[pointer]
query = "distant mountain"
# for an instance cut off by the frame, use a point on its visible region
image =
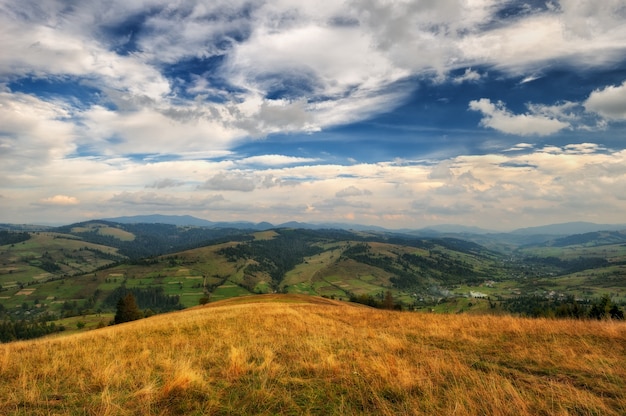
(490, 238)
(597, 238)
(331, 226)
(569, 228)
(187, 220)
(24, 227)
(455, 229)
(180, 220)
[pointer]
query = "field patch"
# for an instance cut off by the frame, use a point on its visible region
(106, 230)
(228, 290)
(265, 235)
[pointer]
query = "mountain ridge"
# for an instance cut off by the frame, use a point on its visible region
(558, 229)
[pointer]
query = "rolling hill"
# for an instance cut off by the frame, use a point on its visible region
(293, 354)
(78, 270)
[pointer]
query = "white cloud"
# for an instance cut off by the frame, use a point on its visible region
(520, 146)
(60, 200)
(530, 78)
(499, 188)
(609, 102)
(562, 111)
(275, 160)
(468, 76)
(590, 18)
(339, 61)
(498, 117)
(33, 131)
(287, 66)
(149, 131)
(352, 191)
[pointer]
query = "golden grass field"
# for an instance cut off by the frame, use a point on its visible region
(294, 355)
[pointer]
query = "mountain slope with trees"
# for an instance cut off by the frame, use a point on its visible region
(62, 274)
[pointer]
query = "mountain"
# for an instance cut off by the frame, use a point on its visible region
(538, 234)
(455, 229)
(187, 220)
(180, 220)
(568, 228)
(24, 227)
(598, 238)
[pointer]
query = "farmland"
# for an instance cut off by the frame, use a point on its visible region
(61, 275)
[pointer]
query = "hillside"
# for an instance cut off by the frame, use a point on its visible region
(81, 270)
(288, 354)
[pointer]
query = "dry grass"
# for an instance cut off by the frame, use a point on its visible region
(313, 356)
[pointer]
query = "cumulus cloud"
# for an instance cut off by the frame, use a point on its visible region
(134, 89)
(609, 102)
(284, 67)
(498, 117)
(493, 190)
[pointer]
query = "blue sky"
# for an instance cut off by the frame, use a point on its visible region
(402, 114)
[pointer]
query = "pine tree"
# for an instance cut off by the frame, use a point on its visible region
(127, 309)
(388, 301)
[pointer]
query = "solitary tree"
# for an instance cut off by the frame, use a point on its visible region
(388, 301)
(127, 310)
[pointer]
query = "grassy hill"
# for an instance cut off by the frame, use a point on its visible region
(294, 354)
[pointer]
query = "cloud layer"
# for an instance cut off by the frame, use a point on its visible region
(235, 110)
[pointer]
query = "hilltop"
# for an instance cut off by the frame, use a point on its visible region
(291, 354)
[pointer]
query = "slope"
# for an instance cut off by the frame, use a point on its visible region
(281, 354)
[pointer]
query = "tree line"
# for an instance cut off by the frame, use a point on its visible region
(564, 307)
(19, 329)
(12, 237)
(151, 298)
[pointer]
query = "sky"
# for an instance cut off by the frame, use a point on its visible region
(400, 114)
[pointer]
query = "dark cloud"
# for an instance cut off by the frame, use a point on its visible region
(165, 183)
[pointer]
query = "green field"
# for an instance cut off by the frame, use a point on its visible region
(63, 275)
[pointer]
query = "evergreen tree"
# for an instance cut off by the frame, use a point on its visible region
(127, 309)
(388, 301)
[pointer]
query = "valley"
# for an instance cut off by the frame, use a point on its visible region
(81, 270)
